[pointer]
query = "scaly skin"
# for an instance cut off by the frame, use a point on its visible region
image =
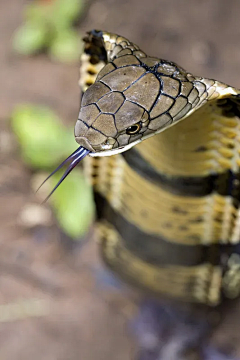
(168, 208)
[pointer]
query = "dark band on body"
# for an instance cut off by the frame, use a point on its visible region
(225, 184)
(155, 249)
(230, 106)
(95, 47)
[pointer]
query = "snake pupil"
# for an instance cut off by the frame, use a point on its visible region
(133, 129)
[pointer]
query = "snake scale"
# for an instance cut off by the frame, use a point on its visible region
(168, 208)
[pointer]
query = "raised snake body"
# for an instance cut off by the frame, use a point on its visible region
(168, 208)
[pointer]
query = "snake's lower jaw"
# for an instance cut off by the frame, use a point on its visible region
(113, 151)
(108, 148)
(107, 145)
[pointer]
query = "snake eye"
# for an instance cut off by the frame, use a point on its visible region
(134, 129)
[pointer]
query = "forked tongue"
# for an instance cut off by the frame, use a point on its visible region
(73, 160)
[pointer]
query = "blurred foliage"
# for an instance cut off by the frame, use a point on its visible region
(73, 204)
(44, 143)
(48, 26)
(44, 140)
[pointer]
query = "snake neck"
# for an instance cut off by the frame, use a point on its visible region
(166, 208)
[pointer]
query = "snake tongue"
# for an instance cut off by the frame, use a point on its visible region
(73, 161)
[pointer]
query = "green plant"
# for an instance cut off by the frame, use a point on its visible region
(44, 143)
(48, 26)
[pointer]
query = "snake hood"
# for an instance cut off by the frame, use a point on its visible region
(129, 97)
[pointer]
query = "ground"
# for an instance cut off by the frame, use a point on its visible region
(52, 304)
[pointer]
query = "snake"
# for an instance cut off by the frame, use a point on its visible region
(161, 148)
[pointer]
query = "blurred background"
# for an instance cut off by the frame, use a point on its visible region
(56, 299)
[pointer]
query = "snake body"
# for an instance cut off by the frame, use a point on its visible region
(168, 208)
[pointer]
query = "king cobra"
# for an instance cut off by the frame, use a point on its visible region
(168, 207)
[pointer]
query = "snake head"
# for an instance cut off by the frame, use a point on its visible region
(111, 118)
(116, 110)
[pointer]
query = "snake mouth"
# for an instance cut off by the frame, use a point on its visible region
(115, 151)
(73, 160)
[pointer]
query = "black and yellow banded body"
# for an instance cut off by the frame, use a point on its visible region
(169, 218)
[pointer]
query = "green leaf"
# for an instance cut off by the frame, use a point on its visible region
(30, 38)
(67, 11)
(66, 46)
(73, 204)
(38, 11)
(43, 139)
